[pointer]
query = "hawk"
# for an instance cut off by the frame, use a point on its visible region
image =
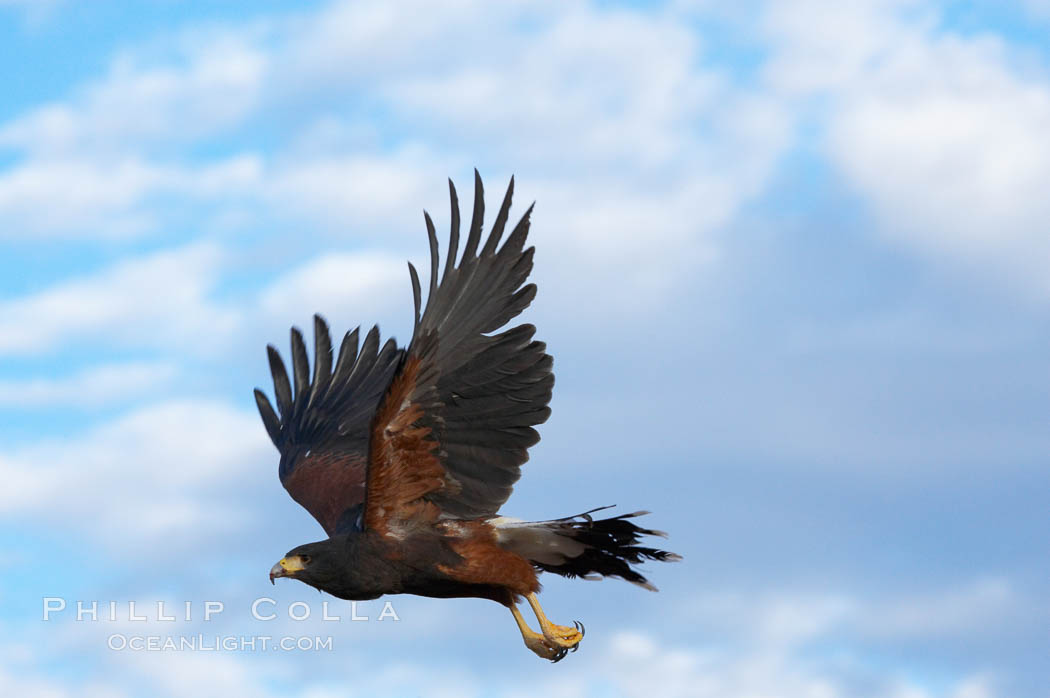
(405, 455)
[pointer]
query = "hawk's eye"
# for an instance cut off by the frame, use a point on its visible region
(305, 559)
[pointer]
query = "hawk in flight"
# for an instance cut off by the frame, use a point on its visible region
(405, 455)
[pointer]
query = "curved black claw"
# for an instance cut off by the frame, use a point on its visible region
(559, 655)
(579, 626)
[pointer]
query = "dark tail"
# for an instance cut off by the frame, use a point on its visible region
(595, 548)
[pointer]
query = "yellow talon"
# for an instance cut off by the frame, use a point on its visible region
(536, 642)
(564, 634)
(556, 640)
(557, 635)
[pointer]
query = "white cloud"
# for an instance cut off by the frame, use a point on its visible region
(984, 603)
(111, 198)
(943, 134)
(823, 45)
(638, 665)
(162, 470)
(975, 687)
(35, 12)
(947, 140)
(165, 302)
(201, 673)
(42, 686)
(157, 300)
(336, 281)
(372, 196)
(92, 387)
(50, 196)
(636, 151)
(213, 82)
(347, 43)
(764, 645)
(99, 164)
(789, 619)
(127, 672)
(587, 88)
(635, 146)
(1039, 8)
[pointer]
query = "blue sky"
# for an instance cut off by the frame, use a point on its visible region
(792, 267)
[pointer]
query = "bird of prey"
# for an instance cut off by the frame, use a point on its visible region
(405, 455)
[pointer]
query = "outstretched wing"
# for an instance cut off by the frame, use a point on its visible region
(324, 426)
(455, 426)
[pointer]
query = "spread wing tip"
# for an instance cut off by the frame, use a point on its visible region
(416, 296)
(300, 364)
(269, 417)
(453, 233)
(282, 388)
(501, 221)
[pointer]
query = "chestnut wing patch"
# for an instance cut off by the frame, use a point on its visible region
(458, 420)
(322, 424)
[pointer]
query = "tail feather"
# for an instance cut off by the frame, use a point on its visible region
(580, 546)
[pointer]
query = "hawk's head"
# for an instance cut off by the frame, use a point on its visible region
(317, 564)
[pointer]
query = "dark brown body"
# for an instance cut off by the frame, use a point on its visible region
(450, 559)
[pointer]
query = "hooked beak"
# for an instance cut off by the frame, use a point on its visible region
(287, 567)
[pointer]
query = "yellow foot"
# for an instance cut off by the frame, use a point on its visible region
(557, 635)
(562, 636)
(541, 648)
(554, 647)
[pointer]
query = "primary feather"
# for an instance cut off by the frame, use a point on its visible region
(473, 395)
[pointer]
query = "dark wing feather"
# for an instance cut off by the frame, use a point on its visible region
(455, 427)
(323, 429)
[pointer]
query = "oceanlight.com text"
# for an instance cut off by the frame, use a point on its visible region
(121, 642)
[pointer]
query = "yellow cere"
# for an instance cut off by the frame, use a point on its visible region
(292, 564)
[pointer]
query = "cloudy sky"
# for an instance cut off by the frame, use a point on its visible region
(792, 260)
